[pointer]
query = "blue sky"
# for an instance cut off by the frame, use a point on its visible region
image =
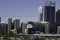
(25, 10)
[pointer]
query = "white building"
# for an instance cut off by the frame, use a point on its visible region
(40, 11)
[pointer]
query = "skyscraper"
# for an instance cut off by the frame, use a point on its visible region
(16, 23)
(49, 15)
(0, 19)
(58, 17)
(40, 11)
(9, 24)
(49, 12)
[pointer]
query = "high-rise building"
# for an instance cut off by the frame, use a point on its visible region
(9, 24)
(40, 11)
(58, 17)
(16, 23)
(12, 27)
(3, 28)
(0, 19)
(39, 28)
(46, 26)
(23, 27)
(49, 12)
(49, 15)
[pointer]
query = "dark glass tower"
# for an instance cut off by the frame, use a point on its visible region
(58, 17)
(49, 15)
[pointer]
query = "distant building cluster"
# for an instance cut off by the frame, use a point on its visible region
(49, 22)
(10, 25)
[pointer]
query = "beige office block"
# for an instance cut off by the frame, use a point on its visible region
(24, 27)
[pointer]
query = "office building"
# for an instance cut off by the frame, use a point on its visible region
(9, 24)
(39, 28)
(31, 30)
(58, 17)
(16, 22)
(3, 28)
(30, 26)
(49, 15)
(40, 11)
(0, 19)
(23, 27)
(46, 26)
(12, 27)
(49, 12)
(58, 30)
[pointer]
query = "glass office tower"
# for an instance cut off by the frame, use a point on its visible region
(58, 17)
(49, 15)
